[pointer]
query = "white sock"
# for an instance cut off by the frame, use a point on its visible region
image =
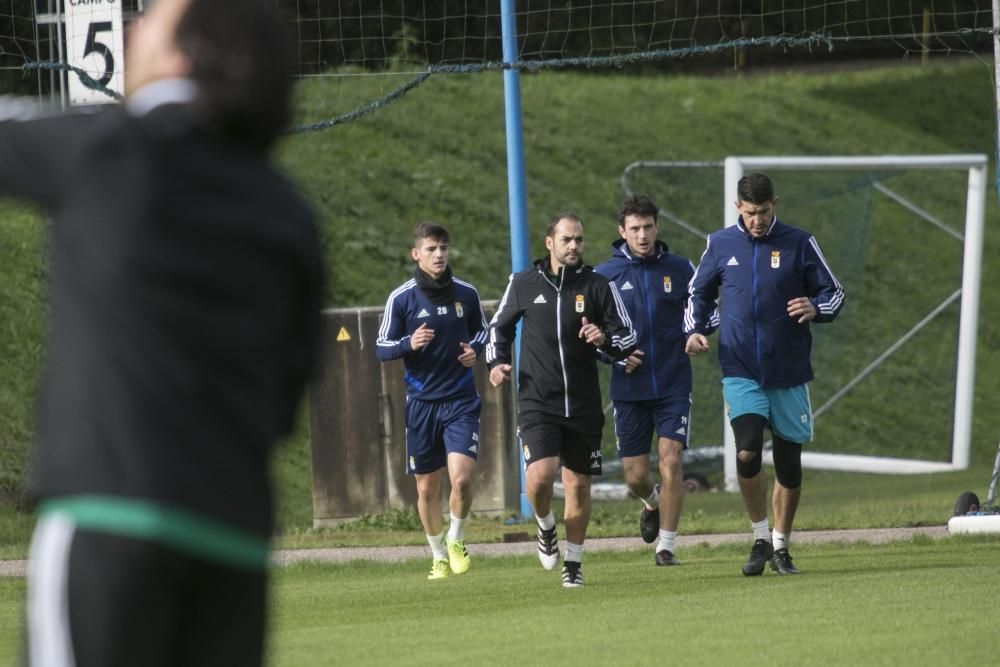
(456, 529)
(667, 539)
(547, 522)
(574, 552)
(437, 546)
(761, 529)
(779, 540)
(652, 502)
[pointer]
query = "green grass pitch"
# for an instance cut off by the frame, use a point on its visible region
(920, 602)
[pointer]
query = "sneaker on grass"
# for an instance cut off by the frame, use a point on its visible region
(781, 562)
(439, 569)
(666, 557)
(548, 548)
(572, 575)
(649, 524)
(760, 553)
(458, 556)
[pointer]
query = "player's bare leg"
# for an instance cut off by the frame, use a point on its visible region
(578, 505)
(672, 484)
(784, 503)
(461, 469)
(671, 499)
(429, 501)
(539, 478)
(635, 470)
(754, 492)
(640, 483)
(429, 509)
(577, 517)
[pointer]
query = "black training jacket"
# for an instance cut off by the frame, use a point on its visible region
(558, 369)
(185, 278)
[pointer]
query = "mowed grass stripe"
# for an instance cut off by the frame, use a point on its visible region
(921, 602)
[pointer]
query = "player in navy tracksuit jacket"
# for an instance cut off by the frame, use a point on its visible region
(436, 324)
(651, 389)
(773, 280)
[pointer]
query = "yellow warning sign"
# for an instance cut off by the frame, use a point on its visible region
(342, 335)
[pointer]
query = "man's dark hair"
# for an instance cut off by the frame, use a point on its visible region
(554, 220)
(429, 230)
(755, 188)
(241, 61)
(640, 205)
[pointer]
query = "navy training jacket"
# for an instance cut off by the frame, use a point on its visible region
(433, 372)
(755, 279)
(655, 292)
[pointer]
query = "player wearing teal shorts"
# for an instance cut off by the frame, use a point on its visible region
(787, 409)
(774, 283)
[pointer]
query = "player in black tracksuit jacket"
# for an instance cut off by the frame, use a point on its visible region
(567, 310)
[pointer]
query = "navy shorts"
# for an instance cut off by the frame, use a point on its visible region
(636, 421)
(577, 440)
(435, 429)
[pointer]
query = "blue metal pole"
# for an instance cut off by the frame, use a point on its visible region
(517, 200)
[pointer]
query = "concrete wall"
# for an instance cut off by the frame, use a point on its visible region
(357, 429)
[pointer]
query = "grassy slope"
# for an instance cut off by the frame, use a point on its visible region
(423, 159)
(439, 154)
(21, 327)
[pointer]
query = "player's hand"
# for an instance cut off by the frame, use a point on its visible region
(592, 333)
(802, 308)
(468, 356)
(421, 337)
(696, 344)
(499, 374)
(634, 360)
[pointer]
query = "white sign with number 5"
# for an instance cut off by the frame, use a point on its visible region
(95, 43)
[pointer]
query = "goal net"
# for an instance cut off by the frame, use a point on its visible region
(17, 46)
(895, 371)
(367, 54)
(338, 33)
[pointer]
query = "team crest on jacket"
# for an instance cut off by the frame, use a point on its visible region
(458, 308)
(667, 286)
(579, 303)
(775, 259)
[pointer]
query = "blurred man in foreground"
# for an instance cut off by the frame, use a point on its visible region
(185, 294)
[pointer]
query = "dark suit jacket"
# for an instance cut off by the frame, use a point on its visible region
(185, 278)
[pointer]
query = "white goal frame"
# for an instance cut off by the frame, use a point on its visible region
(976, 165)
